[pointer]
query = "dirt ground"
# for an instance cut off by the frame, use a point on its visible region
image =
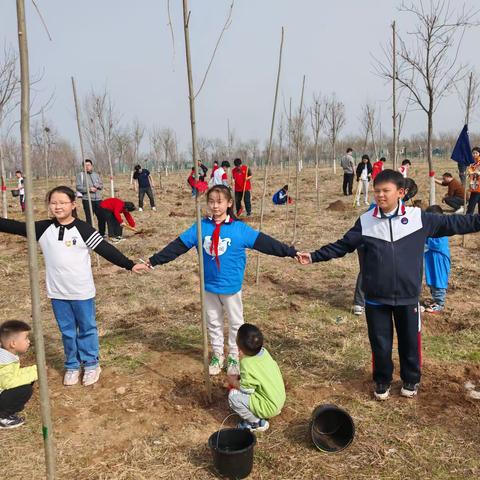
(148, 418)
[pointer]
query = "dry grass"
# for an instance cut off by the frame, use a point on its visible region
(151, 345)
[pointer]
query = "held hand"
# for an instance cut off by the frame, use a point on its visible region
(93, 189)
(123, 224)
(140, 268)
(304, 258)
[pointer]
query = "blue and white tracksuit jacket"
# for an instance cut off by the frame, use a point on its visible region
(392, 279)
(393, 264)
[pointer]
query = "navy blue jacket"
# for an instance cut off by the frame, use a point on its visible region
(393, 262)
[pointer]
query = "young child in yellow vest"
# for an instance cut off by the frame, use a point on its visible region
(16, 383)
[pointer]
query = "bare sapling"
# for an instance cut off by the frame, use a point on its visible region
(269, 154)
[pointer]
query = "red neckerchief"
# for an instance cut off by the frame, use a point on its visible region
(216, 239)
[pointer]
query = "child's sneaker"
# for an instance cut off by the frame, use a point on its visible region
(358, 309)
(260, 426)
(154, 209)
(71, 377)
(382, 391)
(91, 376)
(434, 308)
(216, 364)
(13, 421)
(409, 390)
(233, 367)
(140, 209)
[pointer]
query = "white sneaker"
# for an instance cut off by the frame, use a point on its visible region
(154, 209)
(357, 204)
(358, 309)
(91, 376)
(71, 377)
(140, 209)
(367, 203)
(460, 210)
(216, 364)
(233, 367)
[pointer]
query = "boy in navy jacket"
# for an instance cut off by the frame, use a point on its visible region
(393, 237)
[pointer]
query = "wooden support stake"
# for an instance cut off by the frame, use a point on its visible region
(298, 155)
(191, 97)
(47, 430)
(269, 156)
(82, 153)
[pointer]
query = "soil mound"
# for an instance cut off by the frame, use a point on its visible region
(337, 206)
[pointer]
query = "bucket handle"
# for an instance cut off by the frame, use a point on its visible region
(221, 426)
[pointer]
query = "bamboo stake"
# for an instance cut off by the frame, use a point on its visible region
(298, 155)
(394, 95)
(82, 150)
(32, 245)
(186, 19)
(269, 155)
(288, 160)
(3, 182)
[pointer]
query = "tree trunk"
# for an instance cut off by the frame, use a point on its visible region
(334, 153)
(316, 175)
(110, 165)
(3, 182)
(430, 159)
(191, 98)
(47, 424)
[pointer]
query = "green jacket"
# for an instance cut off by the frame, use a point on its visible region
(11, 375)
(261, 378)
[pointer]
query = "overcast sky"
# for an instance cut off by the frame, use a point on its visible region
(126, 47)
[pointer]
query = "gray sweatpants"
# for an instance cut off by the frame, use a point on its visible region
(239, 402)
(216, 305)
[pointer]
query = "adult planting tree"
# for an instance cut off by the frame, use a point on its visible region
(428, 65)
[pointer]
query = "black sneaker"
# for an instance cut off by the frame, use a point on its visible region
(409, 390)
(13, 421)
(382, 391)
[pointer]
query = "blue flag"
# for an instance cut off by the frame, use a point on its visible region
(462, 153)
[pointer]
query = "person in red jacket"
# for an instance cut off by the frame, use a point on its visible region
(241, 175)
(377, 167)
(109, 213)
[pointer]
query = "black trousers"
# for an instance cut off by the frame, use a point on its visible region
(247, 199)
(141, 195)
(359, 295)
(107, 218)
(347, 183)
(380, 333)
(86, 209)
(454, 202)
(13, 400)
(472, 203)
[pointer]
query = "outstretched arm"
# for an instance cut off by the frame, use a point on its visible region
(350, 241)
(448, 225)
(271, 246)
(95, 242)
(20, 228)
(170, 252)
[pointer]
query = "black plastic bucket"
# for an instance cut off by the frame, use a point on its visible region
(232, 450)
(332, 429)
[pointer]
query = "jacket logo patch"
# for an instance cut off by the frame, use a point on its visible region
(223, 245)
(68, 243)
(404, 220)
